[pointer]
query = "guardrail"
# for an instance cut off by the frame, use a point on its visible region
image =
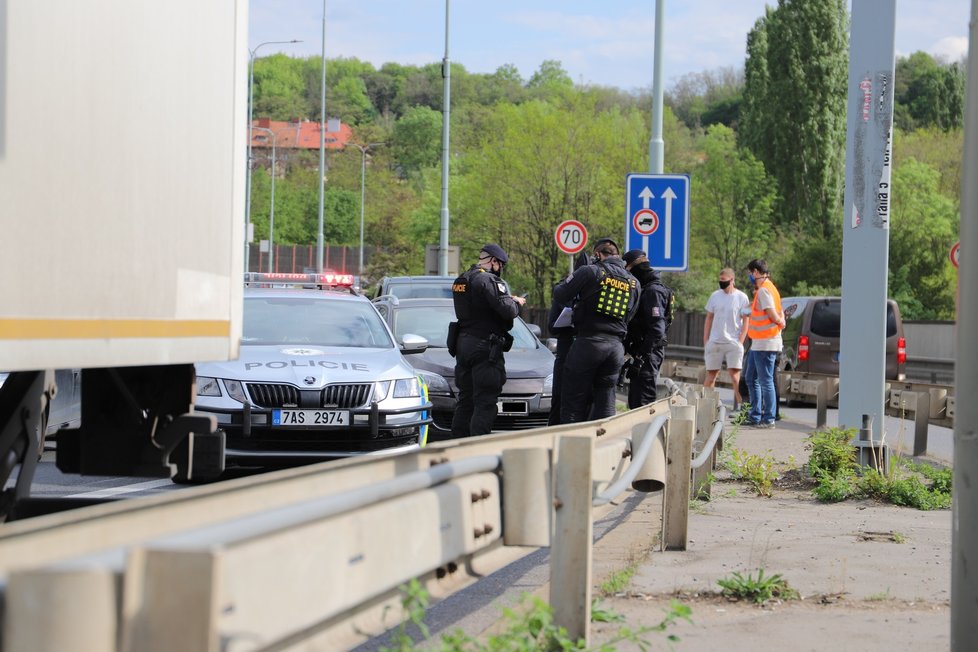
(315, 555)
(935, 371)
(923, 403)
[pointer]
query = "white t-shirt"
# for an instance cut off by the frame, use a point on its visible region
(764, 301)
(729, 312)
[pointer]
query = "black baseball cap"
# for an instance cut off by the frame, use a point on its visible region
(634, 255)
(496, 252)
(604, 241)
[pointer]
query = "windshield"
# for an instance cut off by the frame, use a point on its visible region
(431, 323)
(421, 290)
(313, 320)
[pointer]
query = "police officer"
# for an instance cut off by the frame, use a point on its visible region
(485, 313)
(646, 339)
(561, 327)
(605, 298)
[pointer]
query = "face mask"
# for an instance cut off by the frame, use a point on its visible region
(750, 277)
(724, 285)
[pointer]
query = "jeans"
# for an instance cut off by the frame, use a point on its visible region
(760, 384)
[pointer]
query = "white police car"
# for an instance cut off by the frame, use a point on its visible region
(319, 376)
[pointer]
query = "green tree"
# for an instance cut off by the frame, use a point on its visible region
(280, 88)
(927, 93)
(923, 226)
(543, 164)
(794, 109)
(550, 81)
(733, 199)
(416, 139)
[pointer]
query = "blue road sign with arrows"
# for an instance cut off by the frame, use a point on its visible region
(657, 219)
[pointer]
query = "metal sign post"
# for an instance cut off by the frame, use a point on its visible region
(866, 225)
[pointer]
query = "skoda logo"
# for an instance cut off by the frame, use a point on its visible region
(309, 380)
(303, 351)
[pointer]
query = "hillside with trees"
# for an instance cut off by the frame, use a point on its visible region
(764, 147)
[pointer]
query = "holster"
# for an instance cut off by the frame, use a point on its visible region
(452, 341)
(496, 348)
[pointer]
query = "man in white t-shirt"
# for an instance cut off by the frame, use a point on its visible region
(724, 332)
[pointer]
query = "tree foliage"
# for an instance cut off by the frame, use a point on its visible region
(795, 107)
(529, 153)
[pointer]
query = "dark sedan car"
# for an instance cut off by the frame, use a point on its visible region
(525, 400)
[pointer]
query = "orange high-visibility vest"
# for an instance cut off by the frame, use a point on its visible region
(761, 327)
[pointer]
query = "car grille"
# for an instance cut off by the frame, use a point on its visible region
(273, 395)
(346, 396)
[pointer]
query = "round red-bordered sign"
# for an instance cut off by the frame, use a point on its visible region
(955, 253)
(570, 236)
(645, 221)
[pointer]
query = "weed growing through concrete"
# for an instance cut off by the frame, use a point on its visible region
(833, 466)
(529, 627)
(619, 580)
(757, 471)
(760, 589)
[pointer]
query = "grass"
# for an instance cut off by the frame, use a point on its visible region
(529, 627)
(760, 589)
(838, 476)
(619, 580)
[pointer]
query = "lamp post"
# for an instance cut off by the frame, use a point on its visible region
(363, 176)
(251, 97)
(271, 210)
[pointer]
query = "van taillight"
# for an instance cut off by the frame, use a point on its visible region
(901, 350)
(802, 347)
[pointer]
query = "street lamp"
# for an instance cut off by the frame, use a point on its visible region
(363, 176)
(251, 97)
(271, 210)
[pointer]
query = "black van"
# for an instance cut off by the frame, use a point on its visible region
(812, 336)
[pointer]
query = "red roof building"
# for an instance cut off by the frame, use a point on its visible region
(298, 135)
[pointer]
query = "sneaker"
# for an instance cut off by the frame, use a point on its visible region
(764, 426)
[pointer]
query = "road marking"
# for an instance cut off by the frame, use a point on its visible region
(124, 489)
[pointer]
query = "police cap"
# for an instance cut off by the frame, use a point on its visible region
(496, 252)
(599, 246)
(634, 256)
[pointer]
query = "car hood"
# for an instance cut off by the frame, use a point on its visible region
(309, 366)
(520, 363)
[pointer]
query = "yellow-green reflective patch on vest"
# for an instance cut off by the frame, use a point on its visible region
(614, 297)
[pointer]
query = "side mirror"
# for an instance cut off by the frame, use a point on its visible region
(535, 330)
(552, 344)
(412, 343)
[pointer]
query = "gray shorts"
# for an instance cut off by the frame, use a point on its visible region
(717, 352)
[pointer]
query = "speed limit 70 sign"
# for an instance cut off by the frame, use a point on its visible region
(571, 236)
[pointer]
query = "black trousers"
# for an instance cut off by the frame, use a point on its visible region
(564, 341)
(590, 370)
(480, 374)
(641, 389)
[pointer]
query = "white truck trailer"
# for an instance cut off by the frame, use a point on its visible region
(122, 170)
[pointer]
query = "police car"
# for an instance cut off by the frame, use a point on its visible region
(319, 376)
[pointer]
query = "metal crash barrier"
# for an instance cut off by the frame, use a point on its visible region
(316, 555)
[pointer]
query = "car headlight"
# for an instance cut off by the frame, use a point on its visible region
(548, 385)
(381, 387)
(207, 386)
(407, 388)
(436, 383)
(236, 390)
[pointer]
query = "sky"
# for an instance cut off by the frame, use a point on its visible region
(599, 42)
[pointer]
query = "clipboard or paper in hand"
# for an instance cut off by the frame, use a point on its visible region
(564, 319)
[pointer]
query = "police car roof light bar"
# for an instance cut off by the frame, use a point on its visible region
(268, 279)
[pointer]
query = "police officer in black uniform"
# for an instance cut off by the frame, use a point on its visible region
(562, 329)
(485, 313)
(605, 298)
(646, 339)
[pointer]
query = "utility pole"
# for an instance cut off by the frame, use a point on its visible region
(657, 146)
(446, 72)
(964, 531)
(322, 153)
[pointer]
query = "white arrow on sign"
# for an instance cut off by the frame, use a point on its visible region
(645, 195)
(668, 195)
